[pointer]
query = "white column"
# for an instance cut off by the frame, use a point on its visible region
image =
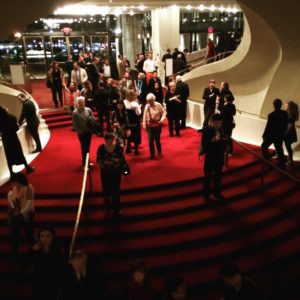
(165, 33)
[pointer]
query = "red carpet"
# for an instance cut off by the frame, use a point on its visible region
(166, 222)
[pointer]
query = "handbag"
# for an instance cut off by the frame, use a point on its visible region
(125, 169)
(153, 123)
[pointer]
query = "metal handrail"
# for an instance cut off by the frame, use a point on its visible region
(266, 162)
(202, 63)
(75, 230)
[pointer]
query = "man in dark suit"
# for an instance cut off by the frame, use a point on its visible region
(210, 95)
(274, 132)
(29, 114)
(183, 90)
(153, 80)
(82, 280)
(213, 147)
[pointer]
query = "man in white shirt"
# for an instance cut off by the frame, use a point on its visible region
(149, 66)
(106, 69)
(79, 76)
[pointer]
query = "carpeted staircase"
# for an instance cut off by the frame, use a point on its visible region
(175, 231)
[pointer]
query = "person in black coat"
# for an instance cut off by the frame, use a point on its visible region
(227, 113)
(213, 147)
(224, 91)
(238, 286)
(47, 260)
(210, 95)
(11, 143)
(274, 132)
(29, 114)
(290, 135)
(153, 80)
(173, 104)
(183, 90)
(82, 280)
(179, 65)
(157, 91)
(110, 157)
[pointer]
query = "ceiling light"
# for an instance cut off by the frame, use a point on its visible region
(189, 7)
(18, 35)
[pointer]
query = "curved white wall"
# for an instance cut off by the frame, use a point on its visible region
(8, 99)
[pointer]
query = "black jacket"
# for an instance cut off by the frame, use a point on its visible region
(210, 101)
(29, 114)
(276, 125)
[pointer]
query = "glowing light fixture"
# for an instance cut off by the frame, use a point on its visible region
(189, 7)
(18, 35)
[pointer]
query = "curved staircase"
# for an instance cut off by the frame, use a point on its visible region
(171, 227)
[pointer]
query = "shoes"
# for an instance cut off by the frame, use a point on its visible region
(178, 134)
(30, 169)
(128, 150)
(171, 134)
(36, 151)
(136, 152)
(152, 157)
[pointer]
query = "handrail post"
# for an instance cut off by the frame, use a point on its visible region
(86, 168)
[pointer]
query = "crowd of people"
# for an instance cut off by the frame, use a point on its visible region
(125, 105)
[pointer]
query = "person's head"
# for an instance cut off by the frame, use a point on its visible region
(216, 121)
(150, 55)
(154, 74)
(277, 103)
(126, 75)
(139, 272)
(141, 56)
(172, 86)
(131, 95)
(293, 109)
(224, 86)
(156, 85)
(168, 50)
(120, 56)
(81, 102)
(96, 60)
(175, 286)
(178, 78)
(141, 76)
(22, 97)
(75, 65)
(209, 41)
(109, 138)
(109, 82)
(73, 86)
(150, 98)
(211, 83)
(231, 275)
(228, 98)
(106, 61)
(78, 261)
(55, 65)
(88, 85)
(46, 235)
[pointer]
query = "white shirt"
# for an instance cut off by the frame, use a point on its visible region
(133, 105)
(106, 71)
(149, 65)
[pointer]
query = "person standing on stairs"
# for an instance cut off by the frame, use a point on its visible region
(29, 114)
(82, 118)
(274, 132)
(213, 145)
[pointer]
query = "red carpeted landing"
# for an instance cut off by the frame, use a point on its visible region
(59, 165)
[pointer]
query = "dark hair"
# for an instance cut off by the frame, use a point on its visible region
(225, 85)
(293, 109)
(212, 80)
(3, 112)
(172, 282)
(229, 270)
(139, 265)
(109, 136)
(277, 103)
(216, 117)
(228, 97)
(20, 178)
(45, 228)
